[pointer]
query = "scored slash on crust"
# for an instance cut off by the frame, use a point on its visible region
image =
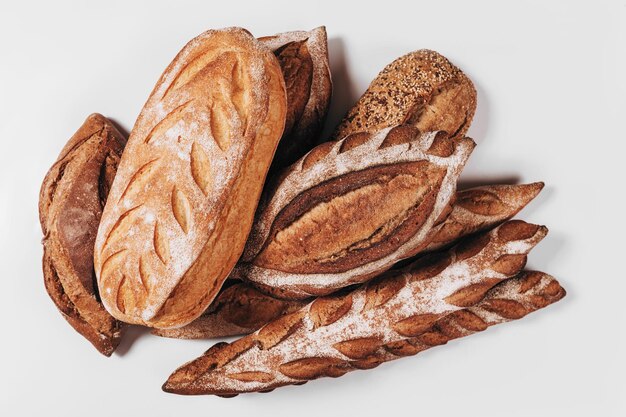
(167, 122)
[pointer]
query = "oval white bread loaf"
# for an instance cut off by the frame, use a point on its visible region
(184, 197)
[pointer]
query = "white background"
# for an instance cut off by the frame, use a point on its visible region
(552, 103)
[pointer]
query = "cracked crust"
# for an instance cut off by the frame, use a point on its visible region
(72, 196)
(184, 197)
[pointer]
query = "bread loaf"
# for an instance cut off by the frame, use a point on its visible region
(184, 197)
(240, 309)
(349, 210)
(303, 58)
(481, 208)
(336, 334)
(422, 89)
(71, 199)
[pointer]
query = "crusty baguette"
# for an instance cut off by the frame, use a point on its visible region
(184, 197)
(336, 334)
(240, 309)
(303, 58)
(317, 231)
(481, 208)
(71, 199)
(421, 88)
(510, 300)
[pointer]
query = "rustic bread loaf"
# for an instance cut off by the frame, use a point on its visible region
(422, 89)
(184, 197)
(317, 232)
(241, 309)
(71, 199)
(303, 58)
(359, 329)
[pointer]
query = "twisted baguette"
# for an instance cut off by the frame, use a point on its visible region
(241, 309)
(510, 300)
(335, 334)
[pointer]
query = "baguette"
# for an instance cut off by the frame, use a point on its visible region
(240, 309)
(184, 197)
(481, 208)
(336, 334)
(316, 232)
(71, 199)
(303, 58)
(422, 89)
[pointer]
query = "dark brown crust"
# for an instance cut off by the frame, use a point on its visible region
(297, 67)
(303, 58)
(70, 205)
(238, 309)
(418, 84)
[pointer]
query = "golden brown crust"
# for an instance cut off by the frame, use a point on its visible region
(427, 303)
(315, 234)
(190, 179)
(303, 58)
(422, 89)
(72, 196)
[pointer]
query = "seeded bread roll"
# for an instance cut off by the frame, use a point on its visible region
(183, 200)
(422, 89)
(72, 196)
